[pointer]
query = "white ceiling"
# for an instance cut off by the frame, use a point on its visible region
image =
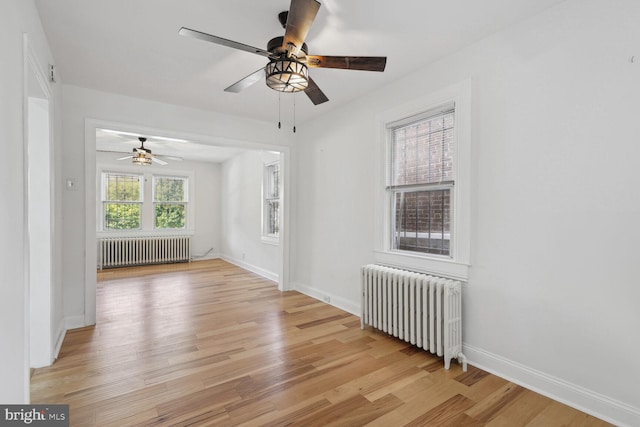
(133, 48)
(122, 143)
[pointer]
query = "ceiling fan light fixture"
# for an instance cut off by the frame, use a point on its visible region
(287, 75)
(141, 159)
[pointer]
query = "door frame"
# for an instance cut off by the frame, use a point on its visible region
(91, 244)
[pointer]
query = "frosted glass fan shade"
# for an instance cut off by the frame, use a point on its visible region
(287, 75)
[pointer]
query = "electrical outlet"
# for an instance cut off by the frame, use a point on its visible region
(242, 256)
(327, 299)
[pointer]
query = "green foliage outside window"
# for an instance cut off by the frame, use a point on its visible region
(121, 216)
(122, 201)
(169, 189)
(170, 196)
(122, 208)
(170, 216)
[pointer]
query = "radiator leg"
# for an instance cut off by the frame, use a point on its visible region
(463, 359)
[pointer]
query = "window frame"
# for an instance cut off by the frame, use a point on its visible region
(185, 203)
(103, 200)
(148, 211)
(449, 185)
(456, 264)
(268, 199)
(394, 189)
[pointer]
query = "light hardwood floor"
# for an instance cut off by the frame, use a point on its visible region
(208, 343)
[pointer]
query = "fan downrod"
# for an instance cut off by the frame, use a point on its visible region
(275, 46)
(282, 17)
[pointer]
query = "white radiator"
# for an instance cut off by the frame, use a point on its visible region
(417, 308)
(125, 251)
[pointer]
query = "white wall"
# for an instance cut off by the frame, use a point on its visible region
(204, 200)
(551, 300)
(18, 17)
(83, 108)
(39, 221)
(242, 214)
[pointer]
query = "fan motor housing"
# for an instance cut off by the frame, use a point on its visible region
(275, 46)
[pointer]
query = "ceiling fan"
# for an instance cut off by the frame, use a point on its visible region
(289, 61)
(143, 156)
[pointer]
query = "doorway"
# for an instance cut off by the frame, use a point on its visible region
(95, 162)
(39, 211)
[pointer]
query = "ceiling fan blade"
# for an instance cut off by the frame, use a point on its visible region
(246, 82)
(299, 21)
(314, 93)
(187, 32)
(125, 158)
(364, 63)
(158, 161)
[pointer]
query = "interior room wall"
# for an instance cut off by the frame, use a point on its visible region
(551, 300)
(205, 197)
(19, 17)
(242, 214)
(40, 224)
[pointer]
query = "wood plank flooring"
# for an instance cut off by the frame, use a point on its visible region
(210, 344)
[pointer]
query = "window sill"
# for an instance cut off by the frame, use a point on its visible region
(423, 264)
(270, 240)
(144, 233)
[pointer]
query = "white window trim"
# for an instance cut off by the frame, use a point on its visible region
(269, 238)
(457, 264)
(148, 223)
(186, 180)
(140, 177)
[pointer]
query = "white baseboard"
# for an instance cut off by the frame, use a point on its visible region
(74, 322)
(331, 299)
(252, 268)
(61, 331)
(211, 255)
(590, 402)
(69, 322)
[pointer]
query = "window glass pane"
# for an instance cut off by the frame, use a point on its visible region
(170, 215)
(422, 221)
(273, 180)
(271, 200)
(121, 216)
(122, 188)
(273, 226)
(169, 189)
(422, 152)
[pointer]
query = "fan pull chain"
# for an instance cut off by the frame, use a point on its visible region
(279, 122)
(294, 113)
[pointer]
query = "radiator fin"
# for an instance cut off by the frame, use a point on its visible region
(129, 251)
(418, 308)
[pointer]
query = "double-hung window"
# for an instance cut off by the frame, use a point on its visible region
(423, 209)
(271, 202)
(170, 202)
(122, 197)
(421, 182)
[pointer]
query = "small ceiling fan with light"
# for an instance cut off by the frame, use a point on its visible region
(116, 141)
(143, 156)
(289, 61)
